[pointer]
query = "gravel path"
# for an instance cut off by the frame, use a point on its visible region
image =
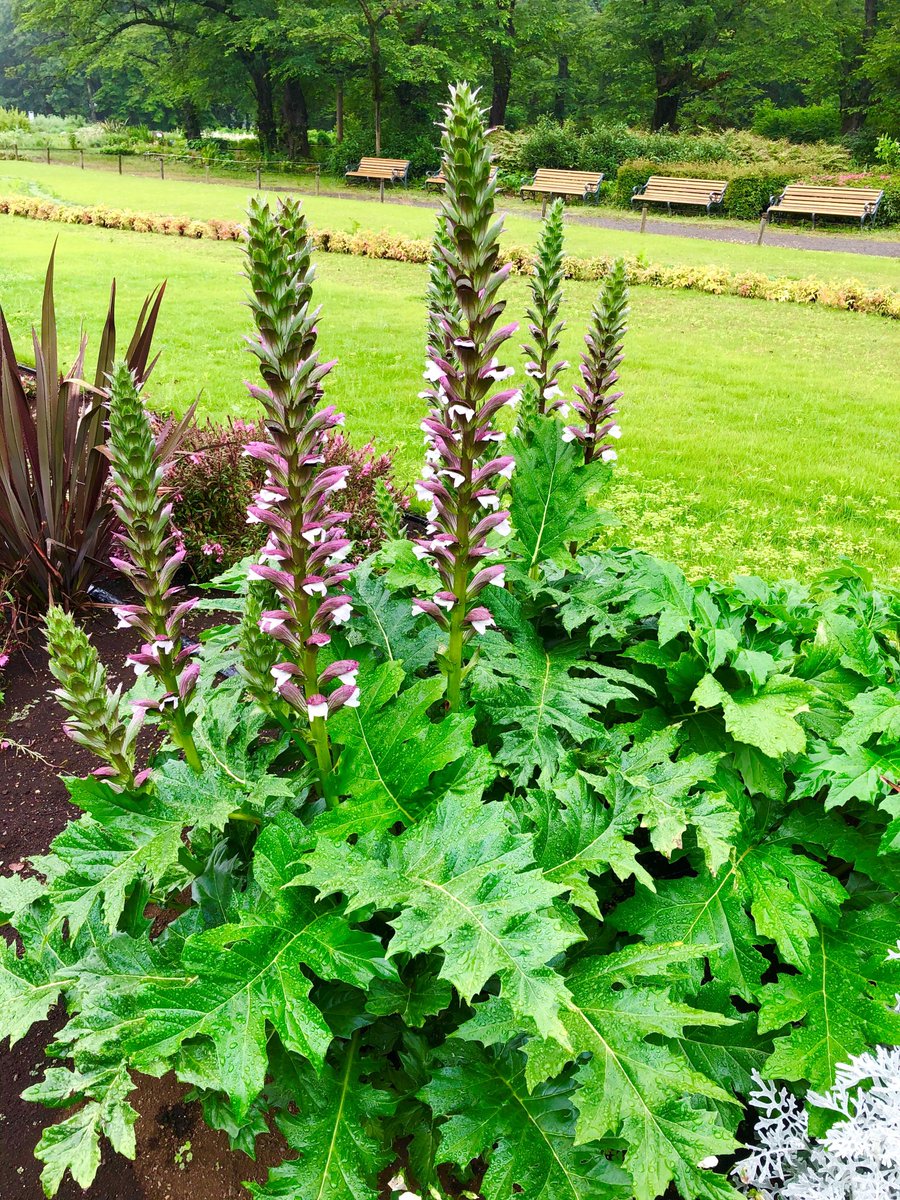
(741, 234)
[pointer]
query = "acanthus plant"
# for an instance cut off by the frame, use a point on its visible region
(546, 326)
(462, 368)
(540, 938)
(599, 367)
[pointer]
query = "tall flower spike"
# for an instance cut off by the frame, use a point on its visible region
(149, 557)
(304, 556)
(258, 651)
(596, 403)
(444, 315)
(543, 315)
(461, 372)
(94, 712)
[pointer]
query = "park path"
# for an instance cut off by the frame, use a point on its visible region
(740, 234)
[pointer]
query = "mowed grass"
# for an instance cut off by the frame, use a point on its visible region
(757, 437)
(361, 211)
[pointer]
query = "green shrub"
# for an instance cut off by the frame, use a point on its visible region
(810, 123)
(748, 192)
(12, 119)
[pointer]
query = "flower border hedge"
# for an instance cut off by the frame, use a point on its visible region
(848, 295)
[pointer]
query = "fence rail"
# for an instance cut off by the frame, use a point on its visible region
(171, 165)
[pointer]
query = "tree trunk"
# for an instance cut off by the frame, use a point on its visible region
(190, 120)
(266, 126)
(560, 100)
(295, 120)
(339, 114)
(501, 66)
(665, 108)
(854, 99)
(376, 84)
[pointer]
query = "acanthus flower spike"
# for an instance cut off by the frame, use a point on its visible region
(149, 557)
(545, 325)
(306, 537)
(461, 370)
(596, 403)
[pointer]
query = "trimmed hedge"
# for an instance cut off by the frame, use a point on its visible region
(849, 295)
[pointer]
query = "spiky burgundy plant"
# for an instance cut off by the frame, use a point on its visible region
(304, 556)
(147, 554)
(596, 403)
(543, 314)
(461, 371)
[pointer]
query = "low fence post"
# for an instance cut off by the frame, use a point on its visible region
(381, 190)
(206, 169)
(16, 151)
(120, 163)
(318, 176)
(643, 217)
(81, 152)
(162, 167)
(48, 156)
(763, 222)
(258, 182)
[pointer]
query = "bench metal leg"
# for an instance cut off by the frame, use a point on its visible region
(643, 217)
(764, 221)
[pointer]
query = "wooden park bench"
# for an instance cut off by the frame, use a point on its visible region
(585, 185)
(437, 180)
(669, 190)
(382, 170)
(809, 200)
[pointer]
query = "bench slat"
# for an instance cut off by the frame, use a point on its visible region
(564, 183)
(671, 189)
(828, 201)
(389, 169)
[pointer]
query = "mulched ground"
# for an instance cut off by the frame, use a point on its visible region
(177, 1155)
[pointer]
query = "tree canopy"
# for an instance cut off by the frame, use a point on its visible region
(381, 66)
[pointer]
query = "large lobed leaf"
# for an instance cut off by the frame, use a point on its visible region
(479, 898)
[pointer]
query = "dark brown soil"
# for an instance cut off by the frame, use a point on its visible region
(177, 1155)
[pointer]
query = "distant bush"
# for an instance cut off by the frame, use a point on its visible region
(12, 119)
(887, 152)
(601, 147)
(810, 123)
(211, 481)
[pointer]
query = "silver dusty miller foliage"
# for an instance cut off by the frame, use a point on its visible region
(858, 1158)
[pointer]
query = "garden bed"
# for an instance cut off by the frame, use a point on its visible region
(177, 1152)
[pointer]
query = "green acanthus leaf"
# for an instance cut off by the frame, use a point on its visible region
(393, 753)
(540, 700)
(766, 718)
(841, 1005)
(336, 1130)
(73, 1144)
(527, 1135)
(578, 835)
(480, 899)
(637, 1083)
(124, 838)
(552, 496)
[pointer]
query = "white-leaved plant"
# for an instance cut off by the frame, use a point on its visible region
(859, 1156)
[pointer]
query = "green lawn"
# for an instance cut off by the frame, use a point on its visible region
(757, 436)
(200, 200)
